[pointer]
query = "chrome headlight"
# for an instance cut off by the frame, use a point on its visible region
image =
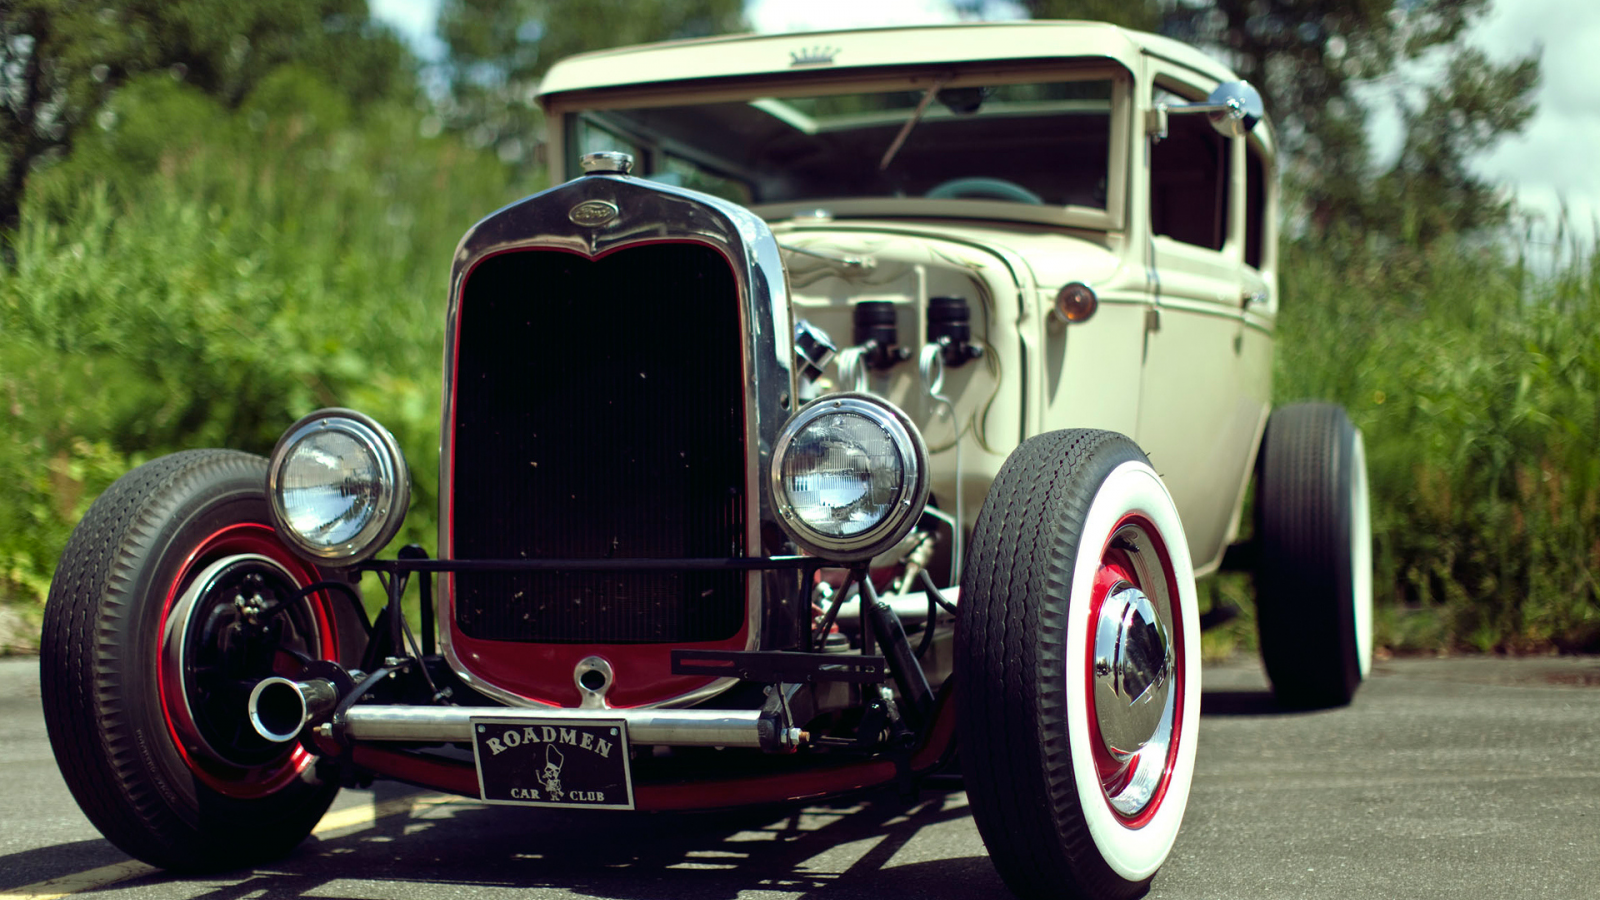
(849, 476)
(338, 486)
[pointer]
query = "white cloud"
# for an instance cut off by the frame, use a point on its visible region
(415, 20)
(1552, 161)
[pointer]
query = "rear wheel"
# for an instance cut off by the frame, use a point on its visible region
(1077, 654)
(1313, 545)
(173, 597)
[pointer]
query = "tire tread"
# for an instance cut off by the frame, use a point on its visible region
(1024, 558)
(1302, 572)
(92, 664)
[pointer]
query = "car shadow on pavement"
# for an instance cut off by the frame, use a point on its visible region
(871, 847)
(1242, 703)
(1245, 703)
(56, 861)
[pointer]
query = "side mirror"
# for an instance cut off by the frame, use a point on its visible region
(1237, 108)
(1233, 108)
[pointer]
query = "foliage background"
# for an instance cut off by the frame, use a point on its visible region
(198, 275)
(221, 236)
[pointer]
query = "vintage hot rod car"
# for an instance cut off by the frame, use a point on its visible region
(693, 551)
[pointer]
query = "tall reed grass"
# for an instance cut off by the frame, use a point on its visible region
(1476, 382)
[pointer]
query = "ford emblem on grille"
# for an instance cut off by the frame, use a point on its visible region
(591, 213)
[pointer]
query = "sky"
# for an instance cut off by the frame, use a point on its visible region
(1553, 160)
(1550, 164)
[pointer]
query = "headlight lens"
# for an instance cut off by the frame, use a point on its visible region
(849, 476)
(338, 486)
(828, 474)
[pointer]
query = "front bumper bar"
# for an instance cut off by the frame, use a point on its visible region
(672, 727)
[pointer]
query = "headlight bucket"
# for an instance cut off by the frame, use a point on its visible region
(849, 476)
(337, 486)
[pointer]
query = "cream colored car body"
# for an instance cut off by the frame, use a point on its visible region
(1178, 354)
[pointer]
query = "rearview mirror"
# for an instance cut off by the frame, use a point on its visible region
(1233, 108)
(1237, 107)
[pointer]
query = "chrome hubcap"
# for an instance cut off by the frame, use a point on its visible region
(1132, 670)
(1134, 700)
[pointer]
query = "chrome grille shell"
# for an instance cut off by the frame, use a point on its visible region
(647, 213)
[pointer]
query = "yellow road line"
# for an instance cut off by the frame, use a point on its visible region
(54, 888)
(363, 816)
(368, 813)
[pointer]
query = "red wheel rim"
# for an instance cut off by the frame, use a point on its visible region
(222, 776)
(1118, 567)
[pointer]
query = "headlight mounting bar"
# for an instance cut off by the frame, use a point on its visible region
(752, 563)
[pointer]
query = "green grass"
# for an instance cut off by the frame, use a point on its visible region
(207, 287)
(1477, 387)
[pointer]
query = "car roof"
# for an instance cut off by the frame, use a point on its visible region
(735, 56)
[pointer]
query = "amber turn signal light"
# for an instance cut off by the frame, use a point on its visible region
(1076, 302)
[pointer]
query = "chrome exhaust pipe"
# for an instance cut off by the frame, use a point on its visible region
(280, 708)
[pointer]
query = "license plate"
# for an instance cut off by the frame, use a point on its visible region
(568, 763)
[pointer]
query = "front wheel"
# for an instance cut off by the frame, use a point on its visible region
(174, 597)
(1077, 651)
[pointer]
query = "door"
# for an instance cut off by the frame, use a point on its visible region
(1204, 391)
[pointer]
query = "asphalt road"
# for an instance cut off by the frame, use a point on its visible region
(1446, 778)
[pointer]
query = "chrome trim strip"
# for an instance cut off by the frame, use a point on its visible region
(648, 213)
(679, 728)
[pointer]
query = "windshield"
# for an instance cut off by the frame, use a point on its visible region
(1044, 143)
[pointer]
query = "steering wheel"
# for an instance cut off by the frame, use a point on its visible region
(984, 188)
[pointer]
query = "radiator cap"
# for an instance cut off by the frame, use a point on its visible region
(606, 162)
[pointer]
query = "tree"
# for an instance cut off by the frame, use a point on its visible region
(1309, 58)
(500, 50)
(1143, 15)
(1431, 184)
(60, 60)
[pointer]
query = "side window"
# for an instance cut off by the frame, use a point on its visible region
(1255, 206)
(1189, 180)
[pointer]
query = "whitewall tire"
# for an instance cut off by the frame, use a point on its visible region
(1078, 655)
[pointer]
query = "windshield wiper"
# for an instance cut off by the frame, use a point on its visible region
(916, 116)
